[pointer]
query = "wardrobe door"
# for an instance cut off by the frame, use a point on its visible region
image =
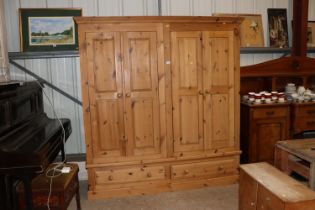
(219, 90)
(142, 93)
(187, 93)
(105, 95)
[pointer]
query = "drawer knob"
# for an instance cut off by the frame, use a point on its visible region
(268, 199)
(110, 178)
(311, 112)
(310, 123)
(220, 168)
(119, 95)
(186, 172)
(252, 203)
(200, 92)
(149, 174)
(128, 94)
(270, 113)
(207, 92)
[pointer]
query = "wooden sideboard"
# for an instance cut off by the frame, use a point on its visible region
(161, 103)
(264, 124)
(261, 127)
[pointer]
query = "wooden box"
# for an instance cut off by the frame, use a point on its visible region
(264, 187)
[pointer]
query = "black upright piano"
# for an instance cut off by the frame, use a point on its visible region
(29, 140)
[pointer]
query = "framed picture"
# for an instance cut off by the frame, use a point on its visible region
(48, 29)
(251, 29)
(311, 33)
(278, 28)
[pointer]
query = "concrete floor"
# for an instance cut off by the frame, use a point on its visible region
(212, 198)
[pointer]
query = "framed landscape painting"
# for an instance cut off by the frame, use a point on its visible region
(48, 29)
(278, 28)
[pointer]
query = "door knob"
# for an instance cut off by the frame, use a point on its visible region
(119, 95)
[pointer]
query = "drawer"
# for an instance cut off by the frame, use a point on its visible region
(304, 124)
(270, 112)
(305, 111)
(208, 169)
(124, 175)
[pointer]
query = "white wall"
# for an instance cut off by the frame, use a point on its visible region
(65, 72)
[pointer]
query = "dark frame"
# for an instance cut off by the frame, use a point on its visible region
(26, 14)
(278, 28)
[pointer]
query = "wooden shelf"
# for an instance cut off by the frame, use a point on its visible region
(268, 50)
(42, 55)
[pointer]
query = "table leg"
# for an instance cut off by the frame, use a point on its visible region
(28, 192)
(312, 176)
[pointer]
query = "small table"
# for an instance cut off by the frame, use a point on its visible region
(297, 155)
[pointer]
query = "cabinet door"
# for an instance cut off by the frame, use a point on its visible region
(247, 192)
(265, 135)
(141, 93)
(187, 91)
(218, 85)
(105, 94)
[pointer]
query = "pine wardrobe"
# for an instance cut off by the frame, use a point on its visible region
(160, 102)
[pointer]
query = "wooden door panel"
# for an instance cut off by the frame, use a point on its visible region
(105, 94)
(187, 91)
(267, 134)
(111, 129)
(140, 64)
(141, 91)
(105, 69)
(218, 86)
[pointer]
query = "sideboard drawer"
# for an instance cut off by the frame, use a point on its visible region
(304, 124)
(134, 174)
(270, 112)
(209, 169)
(305, 111)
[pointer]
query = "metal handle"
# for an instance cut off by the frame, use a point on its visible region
(119, 95)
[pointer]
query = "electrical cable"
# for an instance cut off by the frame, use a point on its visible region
(55, 168)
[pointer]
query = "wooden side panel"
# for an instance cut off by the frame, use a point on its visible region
(141, 93)
(247, 192)
(267, 200)
(218, 86)
(187, 91)
(105, 93)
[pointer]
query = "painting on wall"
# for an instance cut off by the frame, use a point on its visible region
(251, 29)
(278, 28)
(48, 29)
(311, 34)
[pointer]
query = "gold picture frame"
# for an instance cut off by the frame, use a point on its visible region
(311, 33)
(251, 29)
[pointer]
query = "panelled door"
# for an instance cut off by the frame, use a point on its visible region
(202, 90)
(141, 93)
(187, 91)
(218, 80)
(105, 94)
(124, 94)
